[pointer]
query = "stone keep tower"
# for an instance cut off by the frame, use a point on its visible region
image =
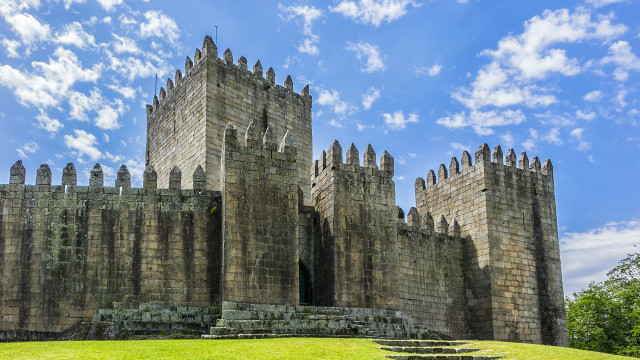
(186, 123)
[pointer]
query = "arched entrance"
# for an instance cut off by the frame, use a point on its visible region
(305, 284)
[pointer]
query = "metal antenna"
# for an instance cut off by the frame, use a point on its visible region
(155, 90)
(216, 35)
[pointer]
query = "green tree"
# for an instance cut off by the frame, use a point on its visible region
(606, 316)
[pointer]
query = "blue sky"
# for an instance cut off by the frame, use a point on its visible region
(424, 80)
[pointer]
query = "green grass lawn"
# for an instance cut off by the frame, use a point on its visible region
(287, 348)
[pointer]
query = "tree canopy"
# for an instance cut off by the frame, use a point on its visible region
(606, 316)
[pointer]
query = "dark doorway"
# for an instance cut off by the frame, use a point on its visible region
(305, 285)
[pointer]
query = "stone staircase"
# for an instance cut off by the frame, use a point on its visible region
(434, 350)
(241, 320)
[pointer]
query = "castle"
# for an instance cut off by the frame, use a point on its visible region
(238, 228)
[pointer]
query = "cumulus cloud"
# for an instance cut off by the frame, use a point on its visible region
(588, 256)
(123, 44)
(593, 96)
(28, 148)
(159, 25)
(370, 97)
(374, 12)
(27, 27)
(332, 98)
(11, 46)
(507, 140)
(50, 82)
(585, 115)
(74, 34)
(521, 60)
(308, 14)
(623, 58)
(82, 144)
(48, 124)
(132, 68)
(369, 55)
(576, 134)
(397, 121)
(110, 5)
(553, 137)
(482, 122)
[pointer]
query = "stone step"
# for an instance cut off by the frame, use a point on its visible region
(420, 343)
(443, 357)
(429, 350)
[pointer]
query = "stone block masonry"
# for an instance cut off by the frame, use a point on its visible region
(260, 194)
(249, 226)
(186, 124)
(69, 250)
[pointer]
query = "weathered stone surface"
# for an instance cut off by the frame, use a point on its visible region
(280, 231)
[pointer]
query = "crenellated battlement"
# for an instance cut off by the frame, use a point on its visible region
(483, 157)
(210, 53)
(265, 145)
(426, 225)
(332, 159)
(122, 185)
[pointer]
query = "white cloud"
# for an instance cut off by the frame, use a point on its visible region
(75, 35)
(373, 59)
(593, 96)
(68, 3)
(553, 137)
(428, 70)
(48, 124)
(370, 97)
(585, 115)
(28, 148)
(83, 144)
(587, 257)
(307, 46)
(623, 58)
(619, 99)
(134, 68)
(124, 44)
(335, 123)
(577, 135)
(553, 119)
(332, 98)
(591, 159)
(529, 144)
(507, 139)
(107, 118)
(12, 47)
(80, 104)
(110, 4)
(159, 25)
(50, 83)
(601, 3)
(397, 121)
(374, 12)
(459, 147)
(26, 26)
(482, 122)
(522, 59)
(309, 14)
(127, 92)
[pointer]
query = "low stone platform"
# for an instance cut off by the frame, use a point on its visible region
(109, 324)
(434, 350)
(250, 320)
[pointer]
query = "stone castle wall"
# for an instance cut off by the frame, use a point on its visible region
(488, 267)
(508, 221)
(67, 251)
(355, 247)
(186, 124)
(260, 197)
